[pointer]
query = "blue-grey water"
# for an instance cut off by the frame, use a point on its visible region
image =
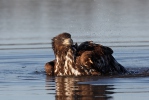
(26, 29)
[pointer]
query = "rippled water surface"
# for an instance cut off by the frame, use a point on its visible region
(26, 29)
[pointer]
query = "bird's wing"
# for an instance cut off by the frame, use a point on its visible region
(102, 50)
(100, 58)
(105, 62)
(49, 68)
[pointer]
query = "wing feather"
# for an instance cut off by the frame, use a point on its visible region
(101, 58)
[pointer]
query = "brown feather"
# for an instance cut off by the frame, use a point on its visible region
(49, 67)
(86, 59)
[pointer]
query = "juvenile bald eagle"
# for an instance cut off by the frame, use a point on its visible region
(86, 59)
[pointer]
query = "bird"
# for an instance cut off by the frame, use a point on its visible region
(86, 59)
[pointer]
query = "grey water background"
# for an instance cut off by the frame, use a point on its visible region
(26, 29)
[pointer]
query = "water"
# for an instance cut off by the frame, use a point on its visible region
(27, 27)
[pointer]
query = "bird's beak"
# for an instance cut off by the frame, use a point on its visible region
(68, 41)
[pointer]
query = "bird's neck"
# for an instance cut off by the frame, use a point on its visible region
(65, 63)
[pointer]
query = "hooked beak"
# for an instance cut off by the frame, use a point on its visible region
(68, 41)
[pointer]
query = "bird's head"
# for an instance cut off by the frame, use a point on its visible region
(61, 42)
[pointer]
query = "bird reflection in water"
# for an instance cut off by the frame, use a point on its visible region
(67, 88)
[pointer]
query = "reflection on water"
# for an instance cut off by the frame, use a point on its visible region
(67, 88)
(98, 88)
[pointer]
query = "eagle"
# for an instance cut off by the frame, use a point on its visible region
(88, 58)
